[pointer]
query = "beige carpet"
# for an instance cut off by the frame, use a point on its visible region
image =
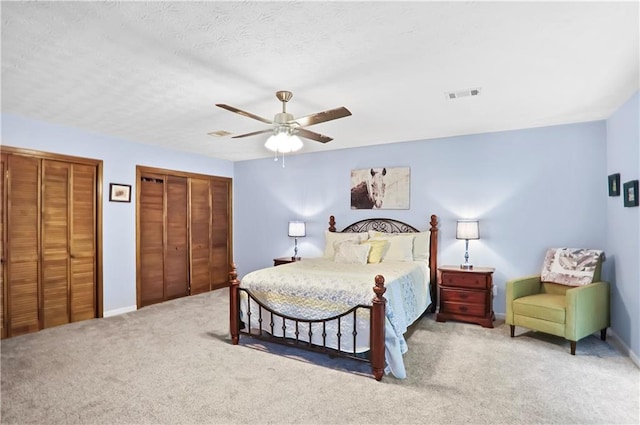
(173, 364)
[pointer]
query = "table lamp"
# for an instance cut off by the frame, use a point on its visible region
(297, 229)
(467, 229)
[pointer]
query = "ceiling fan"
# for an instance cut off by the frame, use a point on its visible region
(284, 122)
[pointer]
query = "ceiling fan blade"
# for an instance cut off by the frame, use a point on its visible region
(313, 135)
(268, 130)
(319, 117)
(244, 113)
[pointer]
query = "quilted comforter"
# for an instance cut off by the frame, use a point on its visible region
(319, 288)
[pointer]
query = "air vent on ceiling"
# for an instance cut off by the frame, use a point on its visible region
(219, 133)
(462, 93)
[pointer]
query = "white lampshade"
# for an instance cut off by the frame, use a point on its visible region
(467, 229)
(297, 229)
(283, 143)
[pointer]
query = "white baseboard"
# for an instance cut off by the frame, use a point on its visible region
(118, 311)
(612, 338)
(615, 340)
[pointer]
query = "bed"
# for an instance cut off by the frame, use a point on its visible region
(346, 303)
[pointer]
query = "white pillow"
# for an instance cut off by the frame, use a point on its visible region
(351, 253)
(330, 238)
(420, 242)
(400, 248)
(421, 246)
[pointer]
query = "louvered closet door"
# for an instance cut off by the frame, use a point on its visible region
(3, 169)
(83, 243)
(151, 225)
(176, 272)
(23, 269)
(56, 178)
(200, 232)
(220, 232)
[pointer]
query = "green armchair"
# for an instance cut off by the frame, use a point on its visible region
(572, 312)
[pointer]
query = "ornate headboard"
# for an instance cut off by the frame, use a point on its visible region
(385, 225)
(389, 225)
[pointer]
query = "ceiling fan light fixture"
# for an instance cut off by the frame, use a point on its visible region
(283, 142)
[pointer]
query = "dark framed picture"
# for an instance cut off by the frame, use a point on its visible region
(614, 184)
(119, 192)
(630, 190)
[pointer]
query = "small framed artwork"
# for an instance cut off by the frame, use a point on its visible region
(630, 191)
(119, 192)
(614, 184)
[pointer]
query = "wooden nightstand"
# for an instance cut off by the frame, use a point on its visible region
(283, 260)
(466, 295)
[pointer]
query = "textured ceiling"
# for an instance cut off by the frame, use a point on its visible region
(152, 72)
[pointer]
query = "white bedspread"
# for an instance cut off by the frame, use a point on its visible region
(319, 288)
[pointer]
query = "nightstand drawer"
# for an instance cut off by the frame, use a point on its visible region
(462, 308)
(470, 297)
(464, 280)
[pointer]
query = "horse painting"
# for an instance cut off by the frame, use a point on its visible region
(369, 193)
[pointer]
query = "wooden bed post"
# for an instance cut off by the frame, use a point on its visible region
(377, 328)
(234, 313)
(433, 263)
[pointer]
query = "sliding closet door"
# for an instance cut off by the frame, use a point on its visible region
(23, 228)
(3, 298)
(176, 272)
(200, 232)
(220, 232)
(56, 177)
(83, 244)
(151, 240)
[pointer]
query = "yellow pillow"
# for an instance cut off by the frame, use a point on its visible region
(378, 248)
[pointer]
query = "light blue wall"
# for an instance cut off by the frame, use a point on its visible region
(623, 224)
(120, 158)
(531, 189)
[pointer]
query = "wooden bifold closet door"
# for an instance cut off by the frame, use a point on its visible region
(184, 240)
(68, 242)
(151, 239)
(49, 245)
(200, 235)
(3, 299)
(176, 258)
(163, 238)
(23, 250)
(220, 232)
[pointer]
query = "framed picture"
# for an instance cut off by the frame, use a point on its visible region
(614, 184)
(119, 192)
(630, 190)
(385, 188)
